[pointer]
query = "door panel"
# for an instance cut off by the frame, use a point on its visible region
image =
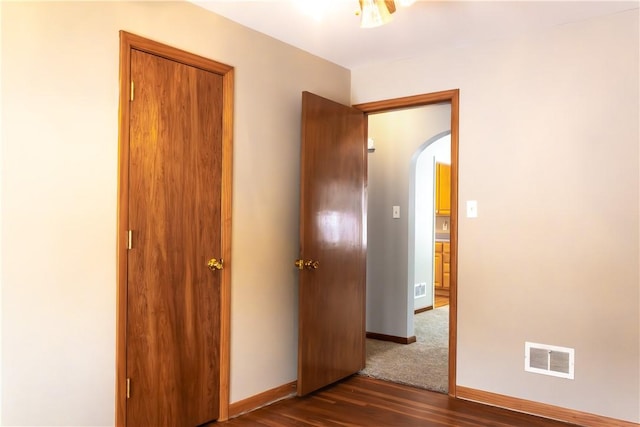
(332, 232)
(173, 301)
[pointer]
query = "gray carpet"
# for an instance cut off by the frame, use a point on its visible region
(424, 363)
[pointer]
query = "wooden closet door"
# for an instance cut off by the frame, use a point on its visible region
(173, 298)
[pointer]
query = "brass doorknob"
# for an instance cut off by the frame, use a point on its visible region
(215, 264)
(309, 265)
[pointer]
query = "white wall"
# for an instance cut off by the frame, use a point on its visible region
(549, 147)
(397, 135)
(422, 222)
(1, 223)
(59, 175)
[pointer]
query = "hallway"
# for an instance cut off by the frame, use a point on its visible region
(423, 363)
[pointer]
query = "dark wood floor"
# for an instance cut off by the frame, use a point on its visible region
(363, 401)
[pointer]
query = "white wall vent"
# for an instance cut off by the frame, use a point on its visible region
(549, 360)
(420, 290)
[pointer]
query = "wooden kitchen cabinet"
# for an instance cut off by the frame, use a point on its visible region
(437, 266)
(446, 257)
(443, 189)
(442, 265)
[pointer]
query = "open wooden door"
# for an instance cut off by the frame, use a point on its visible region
(332, 276)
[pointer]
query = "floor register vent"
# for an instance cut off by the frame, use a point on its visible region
(549, 360)
(420, 290)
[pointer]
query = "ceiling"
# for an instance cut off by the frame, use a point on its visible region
(425, 26)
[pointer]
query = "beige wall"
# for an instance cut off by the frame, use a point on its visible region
(549, 147)
(59, 165)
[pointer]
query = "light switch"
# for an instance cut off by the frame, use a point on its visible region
(396, 211)
(472, 208)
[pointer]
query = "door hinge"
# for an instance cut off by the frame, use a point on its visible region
(129, 239)
(128, 388)
(132, 90)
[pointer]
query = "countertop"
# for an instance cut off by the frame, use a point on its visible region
(442, 237)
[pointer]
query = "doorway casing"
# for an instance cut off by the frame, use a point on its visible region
(452, 97)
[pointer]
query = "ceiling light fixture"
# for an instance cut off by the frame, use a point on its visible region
(374, 13)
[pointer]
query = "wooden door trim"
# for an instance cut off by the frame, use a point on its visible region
(128, 42)
(453, 97)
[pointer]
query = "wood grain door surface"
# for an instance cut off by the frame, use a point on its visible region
(173, 298)
(331, 342)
